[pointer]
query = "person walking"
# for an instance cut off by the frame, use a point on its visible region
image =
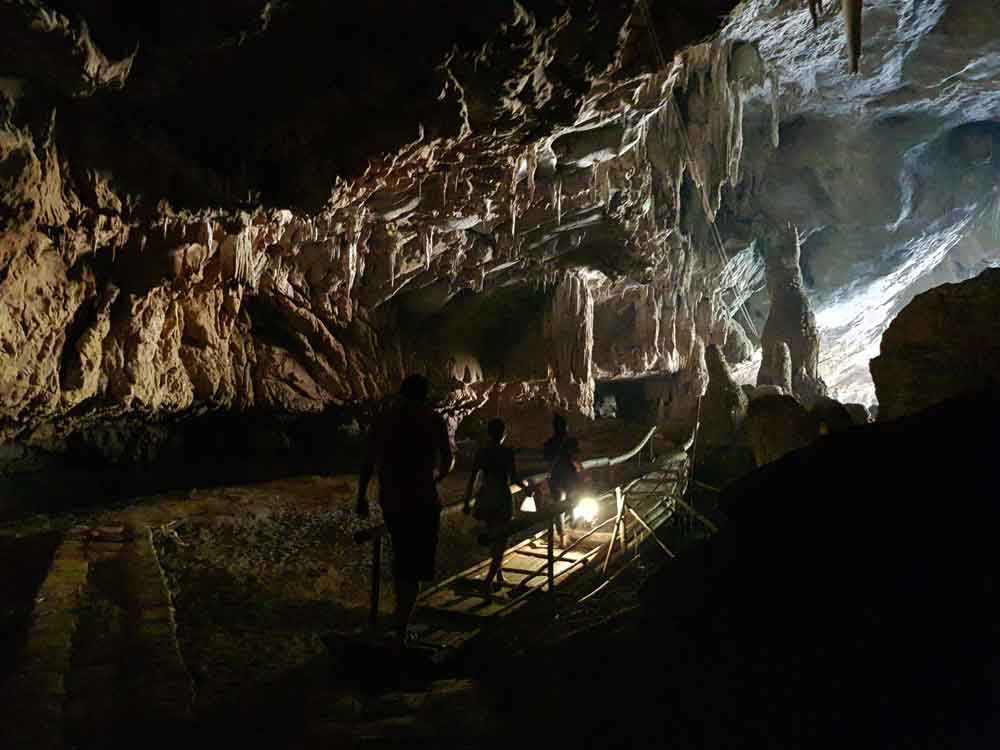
(494, 505)
(552, 450)
(410, 449)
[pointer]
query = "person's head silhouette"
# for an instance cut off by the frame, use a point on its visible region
(414, 388)
(559, 426)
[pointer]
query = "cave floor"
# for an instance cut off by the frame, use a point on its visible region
(263, 579)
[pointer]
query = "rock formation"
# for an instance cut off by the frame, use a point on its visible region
(190, 286)
(791, 320)
(777, 425)
(830, 415)
(890, 175)
(945, 342)
(194, 221)
(859, 413)
(776, 367)
(724, 406)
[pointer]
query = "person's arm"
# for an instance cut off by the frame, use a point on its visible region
(445, 454)
(367, 470)
(514, 478)
(467, 505)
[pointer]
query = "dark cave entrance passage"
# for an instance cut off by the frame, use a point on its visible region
(624, 399)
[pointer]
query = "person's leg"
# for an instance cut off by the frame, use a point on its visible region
(407, 590)
(498, 553)
(496, 572)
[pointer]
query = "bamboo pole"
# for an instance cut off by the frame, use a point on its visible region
(376, 589)
(651, 532)
(552, 563)
(614, 533)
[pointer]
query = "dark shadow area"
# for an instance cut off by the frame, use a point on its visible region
(24, 562)
(629, 397)
(849, 601)
(116, 461)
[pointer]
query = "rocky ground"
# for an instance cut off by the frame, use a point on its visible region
(258, 574)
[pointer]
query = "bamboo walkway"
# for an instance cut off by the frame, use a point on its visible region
(633, 503)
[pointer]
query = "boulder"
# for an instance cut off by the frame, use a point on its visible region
(946, 341)
(777, 425)
(859, 413)
(830, 415)
(767, 390)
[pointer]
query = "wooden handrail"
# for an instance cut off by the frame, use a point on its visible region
(532, 481)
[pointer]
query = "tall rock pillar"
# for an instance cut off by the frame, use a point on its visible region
(569, 337)
(791, 319)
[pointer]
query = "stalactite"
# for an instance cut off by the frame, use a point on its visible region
(532, 163)
(427, 242)
(513, 216)
(557, 197)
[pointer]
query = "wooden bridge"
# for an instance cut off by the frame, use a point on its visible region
(632, 498)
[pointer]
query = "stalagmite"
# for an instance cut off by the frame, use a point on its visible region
(852, 10)
(815, 8)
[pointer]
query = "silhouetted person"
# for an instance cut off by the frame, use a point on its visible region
(552, 450)
(410, 448)
(565, 479)
(494, 505)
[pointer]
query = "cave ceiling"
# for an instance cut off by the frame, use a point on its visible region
(286, 205)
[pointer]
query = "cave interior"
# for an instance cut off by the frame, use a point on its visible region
(751, 249)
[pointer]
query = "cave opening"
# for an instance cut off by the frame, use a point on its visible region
(624, 399)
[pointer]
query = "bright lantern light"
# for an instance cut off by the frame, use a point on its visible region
(586, 510)
(528, 506)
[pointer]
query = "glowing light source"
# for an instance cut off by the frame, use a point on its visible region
(586, 510)
(528, 506)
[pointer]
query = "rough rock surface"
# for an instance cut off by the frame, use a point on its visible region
(478, 246)
(777, 425)
(946, 341)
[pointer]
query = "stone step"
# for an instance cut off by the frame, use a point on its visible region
(157, 683)
(101, 657)
(33, 700)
